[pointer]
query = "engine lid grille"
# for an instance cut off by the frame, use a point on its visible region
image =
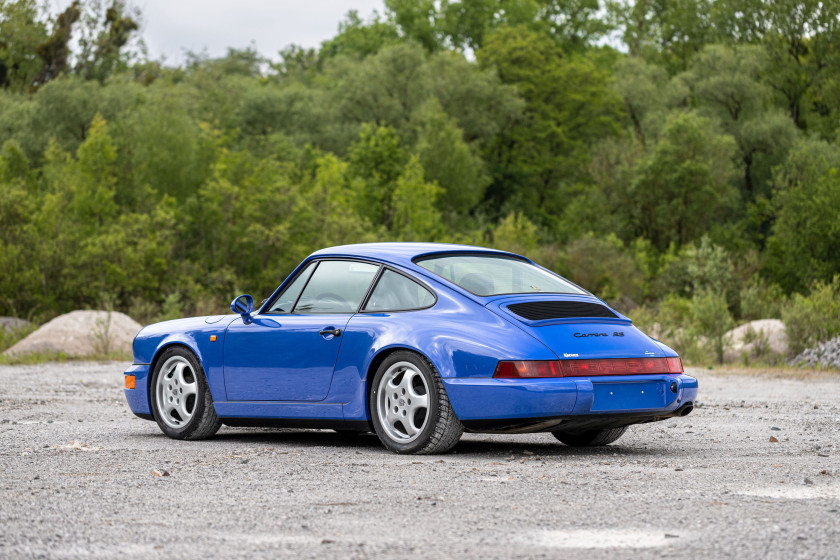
(543, 310)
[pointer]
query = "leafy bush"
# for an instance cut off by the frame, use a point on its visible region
(603, 266)
(710, 318)
(812, 319)
(760, 300)
(10, 337)
(670, 322)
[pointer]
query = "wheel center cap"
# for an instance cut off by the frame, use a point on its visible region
(402, 402)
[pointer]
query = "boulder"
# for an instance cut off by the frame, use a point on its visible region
(81, 334)
(756, 339)
(13, 323)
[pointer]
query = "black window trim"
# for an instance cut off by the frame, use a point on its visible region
(279, 295)
(376, 280)
(318, 261)
(499, 255)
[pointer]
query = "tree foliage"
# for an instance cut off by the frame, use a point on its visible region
(693, 171)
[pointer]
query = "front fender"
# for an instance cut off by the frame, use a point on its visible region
(196, 335)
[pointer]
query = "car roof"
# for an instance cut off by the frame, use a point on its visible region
(400, 253)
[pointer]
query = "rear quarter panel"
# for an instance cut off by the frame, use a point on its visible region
(460, 337)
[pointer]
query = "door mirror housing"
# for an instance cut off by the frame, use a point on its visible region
(244, 305)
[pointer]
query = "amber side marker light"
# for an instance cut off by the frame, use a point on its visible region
(129, 382)
(212, 338)
(586, 368)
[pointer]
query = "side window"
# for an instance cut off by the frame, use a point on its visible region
(336, 287)
(395, 292)
(289, 296)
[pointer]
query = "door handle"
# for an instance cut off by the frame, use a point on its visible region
(334, 332)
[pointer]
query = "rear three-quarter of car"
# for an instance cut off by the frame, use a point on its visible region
(423, 341)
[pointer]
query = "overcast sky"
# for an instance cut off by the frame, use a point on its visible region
(171, 27)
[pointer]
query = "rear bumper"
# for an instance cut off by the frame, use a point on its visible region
(138, 398)
(508, 404)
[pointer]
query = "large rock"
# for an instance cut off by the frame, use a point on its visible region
(81, 334)
(13, 323)
(756, 339)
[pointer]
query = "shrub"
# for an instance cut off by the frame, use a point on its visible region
(710, 318)
(812, 319)
(760, 300)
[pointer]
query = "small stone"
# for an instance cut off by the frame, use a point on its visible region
(776, 429)
(526, 452)
(244, 461)
(160, 473)
(773, 440)
(670, 536)
(678, 469)
(816, 407)
(327, 541)
(37, 477)
(808, 480)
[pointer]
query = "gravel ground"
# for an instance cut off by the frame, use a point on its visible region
(78, 480)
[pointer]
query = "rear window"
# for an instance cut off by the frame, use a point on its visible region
(490, 275)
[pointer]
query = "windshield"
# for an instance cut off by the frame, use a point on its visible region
(491, 275)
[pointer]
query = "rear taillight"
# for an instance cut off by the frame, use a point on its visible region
(587, 368)
(674, 365)
(528, 369)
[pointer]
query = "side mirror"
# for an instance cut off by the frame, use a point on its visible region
(244, 305)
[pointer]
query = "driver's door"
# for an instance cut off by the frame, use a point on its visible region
(289, 352)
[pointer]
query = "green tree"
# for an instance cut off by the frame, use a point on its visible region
(727, 85)
(21, 31)
(359, 38)
(416, 217)
(710, 318)
(805, 239)
(569, 106)
(448, 160)
(376, 162)
(683, 186)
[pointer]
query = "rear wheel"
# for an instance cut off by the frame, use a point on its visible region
(181, 401)
(591, 438)
(409, 407)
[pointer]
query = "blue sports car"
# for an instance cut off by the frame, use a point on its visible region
(417, 342)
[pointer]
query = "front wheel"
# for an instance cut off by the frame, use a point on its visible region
(591, 438)
(409, 407)
(182, 405)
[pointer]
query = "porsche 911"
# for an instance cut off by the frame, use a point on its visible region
(416, 342)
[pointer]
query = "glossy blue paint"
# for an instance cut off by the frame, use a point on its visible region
(479, 399)
(281, 357)
(138, 398)
(279, 366)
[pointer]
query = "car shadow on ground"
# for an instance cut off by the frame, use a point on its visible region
(469, 447)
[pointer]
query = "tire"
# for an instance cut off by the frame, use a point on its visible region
(181, 401)
(592, 438)
(404, 420)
